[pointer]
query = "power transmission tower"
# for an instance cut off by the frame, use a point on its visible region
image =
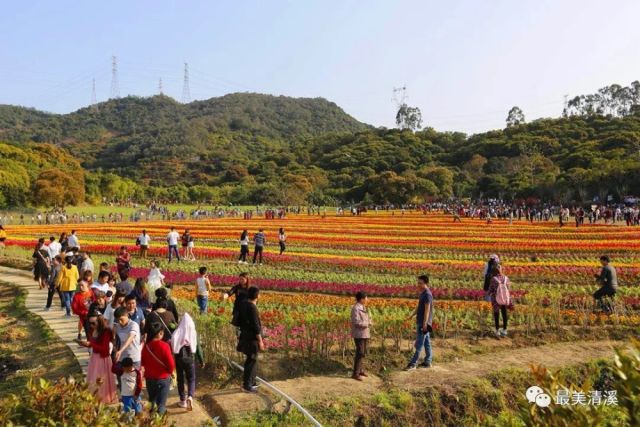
(160, 87)
(400, 96)
(115, 86)
(94, 98)
(186, 93)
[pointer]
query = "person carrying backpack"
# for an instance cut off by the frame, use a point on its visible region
(500, 292)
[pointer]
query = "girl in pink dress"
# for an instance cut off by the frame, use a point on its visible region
(100, 378)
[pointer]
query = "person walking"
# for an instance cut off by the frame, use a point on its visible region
(73, 242)
(250, 340)
(127, 337)
(203, 286)
(500, 292)
(172, 241)
(158, 364)
(244, 247)
(52, 283)
(163, 316)
(608, 280)
(240, 292)
(186, 349)
(54, 247)
(67, 282)
(143, 241)
(259, 241)
(424, 321)
(41, 263)
(282, 238)
(141, 294)
(100, 377)
(81, 302)
(360, 324)
(130, 386)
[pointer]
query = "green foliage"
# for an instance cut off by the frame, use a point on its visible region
(64, 403)
(251, 148)
(624, 378)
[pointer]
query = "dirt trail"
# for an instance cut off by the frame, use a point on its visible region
(66, 329)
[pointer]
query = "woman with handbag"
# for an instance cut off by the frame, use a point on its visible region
(100, 377)
(158, 364)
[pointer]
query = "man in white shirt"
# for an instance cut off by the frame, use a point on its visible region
(87, 263)
(172, 239)
(143, 241)
(74, 244)
(54, 247)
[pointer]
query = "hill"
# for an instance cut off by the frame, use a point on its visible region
(251, 148)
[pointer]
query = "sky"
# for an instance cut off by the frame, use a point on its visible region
(463, 63)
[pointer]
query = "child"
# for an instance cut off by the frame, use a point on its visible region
(130, 386)
(80, 304)
(155, 280)
(203, 286)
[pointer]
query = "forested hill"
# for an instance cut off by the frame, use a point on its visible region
(247, 148)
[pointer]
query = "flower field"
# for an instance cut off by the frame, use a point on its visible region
(311, 286)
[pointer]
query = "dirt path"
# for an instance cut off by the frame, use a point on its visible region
(66, 329)
(550, 355)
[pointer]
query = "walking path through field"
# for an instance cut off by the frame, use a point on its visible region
(231, 403)
(67, 330)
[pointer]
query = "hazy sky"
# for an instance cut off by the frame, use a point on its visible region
(464, 63)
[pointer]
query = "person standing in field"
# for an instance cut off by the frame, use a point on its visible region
(203, 286)
(172, 241)
(500, 292)
(360, 324)
(143, 243)
(608, 279)
(282, 238)
(424, 321)
(123, 262)
(240, 292)
(155, 280)
(259, 240)
(487, 274)
(250, 341)
(67, 282)
(244, 247)
(74, 243)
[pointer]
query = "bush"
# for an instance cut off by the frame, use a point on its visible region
(64, 403)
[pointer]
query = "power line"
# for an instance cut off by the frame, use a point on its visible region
(115, 86)
(186, 93)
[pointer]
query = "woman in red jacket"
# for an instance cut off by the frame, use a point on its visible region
(99, 375)
(158, 364)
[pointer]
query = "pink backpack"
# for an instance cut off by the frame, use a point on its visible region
(503, 297)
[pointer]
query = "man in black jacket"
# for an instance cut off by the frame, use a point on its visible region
(250, 340)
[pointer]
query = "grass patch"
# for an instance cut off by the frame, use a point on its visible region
(24, 339)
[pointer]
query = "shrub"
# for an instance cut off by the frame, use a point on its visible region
(64, 403)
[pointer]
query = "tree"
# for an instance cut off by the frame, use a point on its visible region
(54, 187)
(515, 117)
(409, 118)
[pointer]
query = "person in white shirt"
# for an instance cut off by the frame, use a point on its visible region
(143, 241)
(87, 263)
(74, 244)
(155, 280)
(172, 240)
(54, 247)
(102, 283)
